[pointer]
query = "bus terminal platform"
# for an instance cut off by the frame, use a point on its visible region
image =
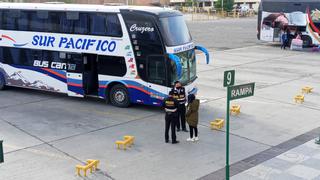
(46, 135)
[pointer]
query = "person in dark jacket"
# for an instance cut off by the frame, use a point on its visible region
(171, 108)
(192, 117)
(284, 39)
(180, 95)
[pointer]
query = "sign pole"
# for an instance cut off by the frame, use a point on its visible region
(228, 81)
(233, 92)
(227, 138)
(1, 152)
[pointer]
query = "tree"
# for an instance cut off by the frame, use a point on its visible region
(227, 4)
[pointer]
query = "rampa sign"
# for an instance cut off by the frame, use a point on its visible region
(241, 91)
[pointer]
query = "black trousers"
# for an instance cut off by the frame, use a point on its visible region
(171, 121)
(285, 44)
(195, 129)
(181, 117)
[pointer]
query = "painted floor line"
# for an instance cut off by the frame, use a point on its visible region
(263, 156)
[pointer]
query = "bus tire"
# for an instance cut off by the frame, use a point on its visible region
(307, 41)
(2, 82)
(119, 96)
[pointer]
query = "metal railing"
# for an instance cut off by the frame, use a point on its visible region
(198, 13)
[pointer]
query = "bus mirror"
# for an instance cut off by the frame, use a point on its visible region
(177, 62)
(205, 51)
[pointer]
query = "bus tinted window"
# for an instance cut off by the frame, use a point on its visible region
(81, 25)
(111, 65)
(27, 57)
(9, 22)
(16, 56)
(54, 22)
(175, 30)
(1, 19)
(23, 22)
(98, 24)
(75, 62)
(74, 22)
(102, 24)
(157, 70)
(51, 56)
(113, 26)
(105, 24)
(1, 55)
(66, 25)
(37, 23)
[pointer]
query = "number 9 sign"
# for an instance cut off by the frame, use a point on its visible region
(228, 79)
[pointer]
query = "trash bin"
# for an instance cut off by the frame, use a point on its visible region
(1, 152)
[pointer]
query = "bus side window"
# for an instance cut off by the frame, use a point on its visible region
(1, 55)
(97, 24)
(66, 24)
(54, 21)
(113, 26)
(81, 25)
(1, 19)
(9, 19)
(112, 65)
(157, 70)
(73, 22)
(51, 56)
(36, 55)
(7, 59)
(38, 21)
(23, 21)
(74, 62)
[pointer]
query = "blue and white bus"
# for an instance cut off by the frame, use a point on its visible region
(121, 54)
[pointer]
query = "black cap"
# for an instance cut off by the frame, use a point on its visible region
(176, 82)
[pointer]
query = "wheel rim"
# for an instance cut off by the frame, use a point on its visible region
(119, 96)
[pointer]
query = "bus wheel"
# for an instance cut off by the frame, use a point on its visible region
(2, 83)
(306, 41)
(119, 96)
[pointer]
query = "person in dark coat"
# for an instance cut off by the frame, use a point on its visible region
(180, 95)
(171, 108)
(192, 117)
(284, 39)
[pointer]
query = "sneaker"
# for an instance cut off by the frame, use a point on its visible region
(175, 142)
(185, 130)
(196, 139)
(178, 130)
(167, 141)
(190, 139)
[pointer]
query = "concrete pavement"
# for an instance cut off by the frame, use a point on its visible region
(300, 163)
(45, 135)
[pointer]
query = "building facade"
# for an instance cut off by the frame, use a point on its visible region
(129, 2)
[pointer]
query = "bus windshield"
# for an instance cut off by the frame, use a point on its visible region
(188, 62)
(175, 30)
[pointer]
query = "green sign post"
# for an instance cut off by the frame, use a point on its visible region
(1, 152)
(233, 92)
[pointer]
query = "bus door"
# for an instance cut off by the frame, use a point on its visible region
(74, 74)
(90, 74)
(267, 31)
(157, 79)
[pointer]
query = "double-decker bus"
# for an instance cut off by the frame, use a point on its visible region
(299, 16)
(121, 54)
